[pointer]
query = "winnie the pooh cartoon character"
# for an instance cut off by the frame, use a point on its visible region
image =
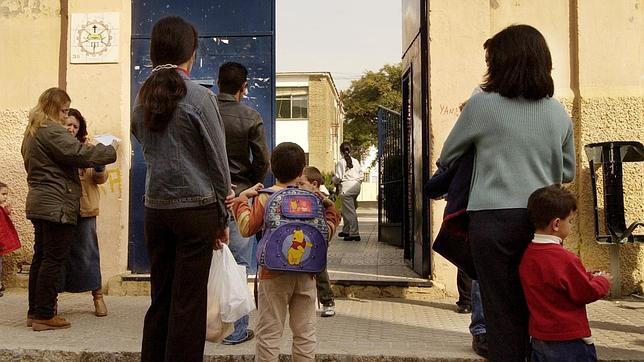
(298, 247)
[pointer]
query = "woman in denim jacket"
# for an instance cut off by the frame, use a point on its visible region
(182, 137)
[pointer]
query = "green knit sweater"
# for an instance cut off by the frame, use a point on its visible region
(521, 145)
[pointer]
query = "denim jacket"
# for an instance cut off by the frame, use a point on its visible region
(187, 165)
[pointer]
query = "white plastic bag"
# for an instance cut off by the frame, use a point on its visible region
(216, 329)
(236, 300)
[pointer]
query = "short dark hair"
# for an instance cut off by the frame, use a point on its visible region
(231, 77)
(82, 125)
(518, 64)
(549, 203)
(287, 161)
(313, 174)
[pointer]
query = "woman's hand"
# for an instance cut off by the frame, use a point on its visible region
(230, 199)
(221, 239)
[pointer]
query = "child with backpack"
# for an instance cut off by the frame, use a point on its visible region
(556, 285)
(311, 180)
(296, 225)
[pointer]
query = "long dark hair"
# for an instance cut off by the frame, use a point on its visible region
(173, 41)
(345, 148)
(82, 125)
(518, 64)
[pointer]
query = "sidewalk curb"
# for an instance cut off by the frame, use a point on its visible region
(29, 355)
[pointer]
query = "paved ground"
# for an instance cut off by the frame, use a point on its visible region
(363, 330)
(368, 259)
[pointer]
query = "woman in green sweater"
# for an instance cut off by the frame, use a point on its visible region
(523, 140)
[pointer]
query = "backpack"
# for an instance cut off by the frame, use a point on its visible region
(295, 232)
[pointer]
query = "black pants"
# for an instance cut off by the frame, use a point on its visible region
(464, 285)
(498, 239)
(179, 244)
(52, 243)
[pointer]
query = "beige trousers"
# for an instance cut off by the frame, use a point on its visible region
(295, 291)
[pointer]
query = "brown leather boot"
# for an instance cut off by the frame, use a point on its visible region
(55, 322)
(100, 309)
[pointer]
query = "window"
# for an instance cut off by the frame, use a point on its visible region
(292, 103)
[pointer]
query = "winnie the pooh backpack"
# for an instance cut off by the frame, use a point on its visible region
(295, 232)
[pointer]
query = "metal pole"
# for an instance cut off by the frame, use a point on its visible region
(616, 288)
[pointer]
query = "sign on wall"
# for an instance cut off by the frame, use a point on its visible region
(95, 38)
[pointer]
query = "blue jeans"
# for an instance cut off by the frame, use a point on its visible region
(563, 351)
(477, 326)
(242, 249)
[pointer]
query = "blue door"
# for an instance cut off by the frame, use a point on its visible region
(240, 31)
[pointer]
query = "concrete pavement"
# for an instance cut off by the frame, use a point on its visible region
(362, 330)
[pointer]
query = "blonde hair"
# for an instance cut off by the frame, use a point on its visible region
(49, 104)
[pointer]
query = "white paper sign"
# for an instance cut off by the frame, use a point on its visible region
(95, 38)
(106, 139)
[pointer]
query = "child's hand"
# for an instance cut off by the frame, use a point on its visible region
(606, 275)
(7, 207)
(252, 191)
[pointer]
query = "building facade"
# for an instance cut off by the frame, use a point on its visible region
(309, 112)
(597, 52)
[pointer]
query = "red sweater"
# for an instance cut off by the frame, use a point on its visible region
(557, 288)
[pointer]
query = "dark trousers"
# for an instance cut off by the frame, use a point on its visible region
(179, 244)
(563, 351)
(52, 242)
(464, 285)
(325, 293)
(498, 239)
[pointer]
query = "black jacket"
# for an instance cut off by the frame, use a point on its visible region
(452, 240)
(244, 137)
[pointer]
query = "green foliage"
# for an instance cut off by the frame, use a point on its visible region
(327, 177)
(361, 101)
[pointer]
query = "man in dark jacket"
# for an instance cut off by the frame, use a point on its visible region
(247, 159)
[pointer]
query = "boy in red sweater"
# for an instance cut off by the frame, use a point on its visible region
(556, 285)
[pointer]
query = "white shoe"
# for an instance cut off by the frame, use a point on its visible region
(328, 311)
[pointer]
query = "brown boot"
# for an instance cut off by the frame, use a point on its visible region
(30, 320)
(100, 309)
(55, 322)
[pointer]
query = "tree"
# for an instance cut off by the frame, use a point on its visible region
(361, 101)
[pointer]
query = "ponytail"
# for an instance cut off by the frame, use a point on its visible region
(159, 96)
(345, 148)
(173, 42)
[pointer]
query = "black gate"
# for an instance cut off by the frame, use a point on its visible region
(392, 178)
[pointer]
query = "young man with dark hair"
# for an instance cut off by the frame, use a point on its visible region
(556, 285)
(247, 159)
(281, 291)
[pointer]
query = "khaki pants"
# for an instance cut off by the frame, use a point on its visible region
(297, 292)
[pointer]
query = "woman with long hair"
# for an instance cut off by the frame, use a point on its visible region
(52, 158)
(82, 271)
(182, 137)
(523, 140)
(348, 176)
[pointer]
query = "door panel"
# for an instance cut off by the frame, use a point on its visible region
(229, 31)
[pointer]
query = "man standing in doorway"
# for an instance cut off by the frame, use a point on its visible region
(248, 162)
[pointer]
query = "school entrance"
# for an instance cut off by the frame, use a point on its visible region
(394, 248)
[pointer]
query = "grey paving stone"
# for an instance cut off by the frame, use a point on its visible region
(362, 330)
